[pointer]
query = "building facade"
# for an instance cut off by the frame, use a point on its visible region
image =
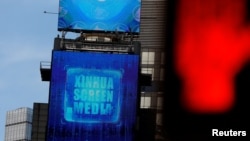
(153, 55)
(39, 121)
(18, 125)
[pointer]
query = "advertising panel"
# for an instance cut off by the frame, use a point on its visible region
(93, 96)
(99, 15)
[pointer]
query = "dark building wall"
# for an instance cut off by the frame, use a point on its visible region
(39, 122)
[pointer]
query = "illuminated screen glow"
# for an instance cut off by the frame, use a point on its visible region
(95, 94)
(99, 15)
(92, 96)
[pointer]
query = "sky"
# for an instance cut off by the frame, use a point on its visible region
(26, 38)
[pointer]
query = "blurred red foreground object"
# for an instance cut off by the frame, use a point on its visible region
(212, 45)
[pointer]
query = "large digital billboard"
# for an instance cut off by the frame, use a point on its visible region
(93, 96)
(99, 15)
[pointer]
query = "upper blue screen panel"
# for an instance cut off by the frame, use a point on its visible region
(99, 15)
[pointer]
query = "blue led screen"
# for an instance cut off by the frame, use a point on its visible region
(93, 96)
(100, 15)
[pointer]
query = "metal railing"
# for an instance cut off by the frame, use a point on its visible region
(102, 46)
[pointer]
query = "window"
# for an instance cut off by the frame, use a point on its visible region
(159, 102)
(148, 71)
(145, 102)
(162, 74)
(148, 57)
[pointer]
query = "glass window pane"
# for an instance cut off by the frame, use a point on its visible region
(145, 102)
(148, 57)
